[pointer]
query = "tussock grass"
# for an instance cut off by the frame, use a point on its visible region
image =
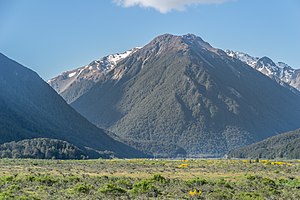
(149, 179)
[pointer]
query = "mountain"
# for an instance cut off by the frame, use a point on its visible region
(179, 95)
(72, 84)
(284, 146)
(30, 108)
(281, 72)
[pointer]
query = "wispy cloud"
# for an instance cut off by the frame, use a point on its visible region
(165, 6)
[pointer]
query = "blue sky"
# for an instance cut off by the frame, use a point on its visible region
(51, 36)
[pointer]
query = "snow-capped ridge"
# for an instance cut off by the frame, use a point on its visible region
(108, 62)
(83, 78)
(279, 71)
(244, 57)
(91, 72)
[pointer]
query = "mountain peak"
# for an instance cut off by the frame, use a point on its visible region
(168, 41)
(191, 38)
(189, 35)
(266, 61)
(163, 44)
(167, 37)
(196, 41)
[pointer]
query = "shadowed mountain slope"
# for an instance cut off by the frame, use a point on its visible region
(30, 108)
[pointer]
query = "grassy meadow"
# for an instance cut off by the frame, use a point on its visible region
(149, 179)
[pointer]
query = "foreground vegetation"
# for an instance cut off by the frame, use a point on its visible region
(149, 179)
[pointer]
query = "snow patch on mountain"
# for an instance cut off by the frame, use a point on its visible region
(72, 74)
(90, 72)
(279, 71)
(246, 58)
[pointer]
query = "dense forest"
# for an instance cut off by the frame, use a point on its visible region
(285, 145)
(45, 148)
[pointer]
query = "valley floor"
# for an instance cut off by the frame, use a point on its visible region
(149, 179)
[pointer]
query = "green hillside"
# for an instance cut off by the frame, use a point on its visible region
(285, 145)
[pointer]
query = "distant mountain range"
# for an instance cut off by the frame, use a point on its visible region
(282, 146)
(30, 108)
(74, 83)
(179, 95)
(281, 72)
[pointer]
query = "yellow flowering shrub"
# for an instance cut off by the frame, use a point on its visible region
(195, 193)
(183, 166)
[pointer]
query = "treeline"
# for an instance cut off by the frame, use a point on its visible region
(157, 149)
(41, 148)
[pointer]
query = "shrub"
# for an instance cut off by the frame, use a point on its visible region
(112, 189)
(14, 187)
(195, 193)
(82, 188)
(145, 187)
(6, 195)
(249, 196)
(196, 182)
(220, 195)
(159, 178)
(125, 183)
(183, 166)
(46, 180)
(269, 182)
(7, 178)
(252, 177)
(72, 178)
(224, 183)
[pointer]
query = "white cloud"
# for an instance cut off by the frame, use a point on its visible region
(165, 6)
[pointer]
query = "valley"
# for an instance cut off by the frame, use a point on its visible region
(149, 100)
(176, 96)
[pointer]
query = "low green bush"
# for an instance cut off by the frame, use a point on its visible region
(112, 189)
